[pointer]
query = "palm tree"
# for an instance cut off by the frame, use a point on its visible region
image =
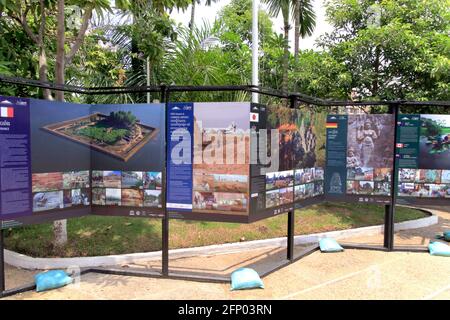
(305, 21)
(275, 7)
(194, 3)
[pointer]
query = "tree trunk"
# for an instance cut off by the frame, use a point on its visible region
(60, 226)
(296, 29)
(296, 36)
(148, 70)
(191, 23)
(43, 68)
(60, 55)
(136, 63)
(285, 80)
(376, 71)
(60, 232)
(39, 40)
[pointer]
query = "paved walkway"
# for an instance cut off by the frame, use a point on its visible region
(353, 274)
(413, 237)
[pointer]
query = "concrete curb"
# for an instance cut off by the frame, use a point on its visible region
(26, 262)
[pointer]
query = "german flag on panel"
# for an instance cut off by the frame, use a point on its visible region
(331, 125)
(6, 112)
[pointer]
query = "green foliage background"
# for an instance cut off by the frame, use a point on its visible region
(388, 49)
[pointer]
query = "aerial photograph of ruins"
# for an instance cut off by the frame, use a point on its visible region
(119, 134)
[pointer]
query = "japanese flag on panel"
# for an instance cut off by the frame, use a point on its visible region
(6, 112)
(254, 117)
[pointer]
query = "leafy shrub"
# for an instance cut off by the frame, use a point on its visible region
(103, 134)
(121, 119)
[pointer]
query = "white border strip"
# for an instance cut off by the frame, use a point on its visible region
(26, 262)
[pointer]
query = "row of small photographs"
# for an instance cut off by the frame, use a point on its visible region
(369, 188)
(127, 179)
(220, 201)
(308, 175)
(53, 181)
(280, 179)
(220, 182)
(369, 174)
(43, 201)
(43, 182)
(278, 197)
(308, 190)
(126, 197)
(424, 190)
(424, 176)
(284, 179)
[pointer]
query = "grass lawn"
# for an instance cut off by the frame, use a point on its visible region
(95, 235)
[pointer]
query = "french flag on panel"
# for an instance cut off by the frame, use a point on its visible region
(6, 112)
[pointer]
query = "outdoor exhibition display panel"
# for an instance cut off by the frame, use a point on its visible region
(289, 173)
(15, 158)
(241, 162)
(208, 161)
(61, 160)
(359, 158)
(128, 180)
(225, 161)
(423, 159)
(222, 160)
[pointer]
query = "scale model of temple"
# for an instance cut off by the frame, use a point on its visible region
(119, 134)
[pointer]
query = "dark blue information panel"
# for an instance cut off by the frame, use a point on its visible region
(408, 136)
(180, 155)
(336, 155)
(15, 158)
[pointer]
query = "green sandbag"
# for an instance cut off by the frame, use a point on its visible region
(447, 236)
(444, 236)
(439, 249)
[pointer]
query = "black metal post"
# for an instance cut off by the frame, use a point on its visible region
(165, 220)
(163, 93)
(387, 227)
(290, 235)
(165, 245)
(291, 214)
(2, 262)
(389, 210)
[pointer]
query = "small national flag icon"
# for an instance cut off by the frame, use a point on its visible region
(254, 117)
(399, 145)
(331, 125)
(6, 112)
